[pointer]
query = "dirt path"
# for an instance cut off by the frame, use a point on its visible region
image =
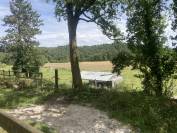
(2, 130)
(71, 118)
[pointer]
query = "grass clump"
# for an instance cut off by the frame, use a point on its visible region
(41, 126)
(11, 98)
(144, 113)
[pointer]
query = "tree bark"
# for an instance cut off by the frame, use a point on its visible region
(72, 28)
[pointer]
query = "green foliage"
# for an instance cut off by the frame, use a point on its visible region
(2, 57)
(126, 104)
(102, 52)
(145, 113)
(8, 59)
(146, 40)
(174, 23)
(56, 54)
(23, 25)
(41, 126)
(122, 59)
(11, 98)
(101, 12)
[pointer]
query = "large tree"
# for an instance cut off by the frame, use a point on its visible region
(146, 40)
(23, 25)
(174, 22)
(101, 12)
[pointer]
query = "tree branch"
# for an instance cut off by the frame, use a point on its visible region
(86, 20)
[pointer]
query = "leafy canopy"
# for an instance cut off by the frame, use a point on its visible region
(174, 22)
(146, 40)
(101, 12)
(23, 25)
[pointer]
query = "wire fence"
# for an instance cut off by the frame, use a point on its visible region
(20, 78)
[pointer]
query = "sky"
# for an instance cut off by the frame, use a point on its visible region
(55, 33)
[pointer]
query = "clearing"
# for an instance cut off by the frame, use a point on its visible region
(92, 66)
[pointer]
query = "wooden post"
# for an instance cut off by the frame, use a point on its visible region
(3, 74)
(12, 125)
(41, 79)
(56, 78)
(9, 75)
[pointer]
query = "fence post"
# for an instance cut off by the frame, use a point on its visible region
(9, 75)
(41, 79)
(56, 78)
(12, 125)
(3, 74)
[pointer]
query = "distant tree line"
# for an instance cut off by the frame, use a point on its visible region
(60, 54)
(102, 52)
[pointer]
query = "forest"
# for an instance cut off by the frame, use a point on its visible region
(102, 52)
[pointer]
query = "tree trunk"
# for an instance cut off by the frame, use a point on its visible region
(159, 82)
(76, 76)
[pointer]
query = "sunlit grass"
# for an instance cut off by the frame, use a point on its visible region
(126, 103)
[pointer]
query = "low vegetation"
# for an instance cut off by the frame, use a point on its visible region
(149, 114)
(126, 103)
(145, 113)
(146, 97)
(41, 126)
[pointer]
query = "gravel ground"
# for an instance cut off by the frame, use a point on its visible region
(70, 118)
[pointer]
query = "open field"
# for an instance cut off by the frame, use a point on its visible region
(89, 66)
(126, 103)
(130, 81)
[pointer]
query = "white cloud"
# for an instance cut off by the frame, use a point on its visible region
(3, 11)
(52, 39)
(56, 33)
(87, 34)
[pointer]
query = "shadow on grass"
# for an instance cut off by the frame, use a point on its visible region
(13, 98)
(41, 126)
(149, 114)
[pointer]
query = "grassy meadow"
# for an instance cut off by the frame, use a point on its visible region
(129, 76)
(126, 103)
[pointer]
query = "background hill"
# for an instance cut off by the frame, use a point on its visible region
(60, 54)
(102, 52)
